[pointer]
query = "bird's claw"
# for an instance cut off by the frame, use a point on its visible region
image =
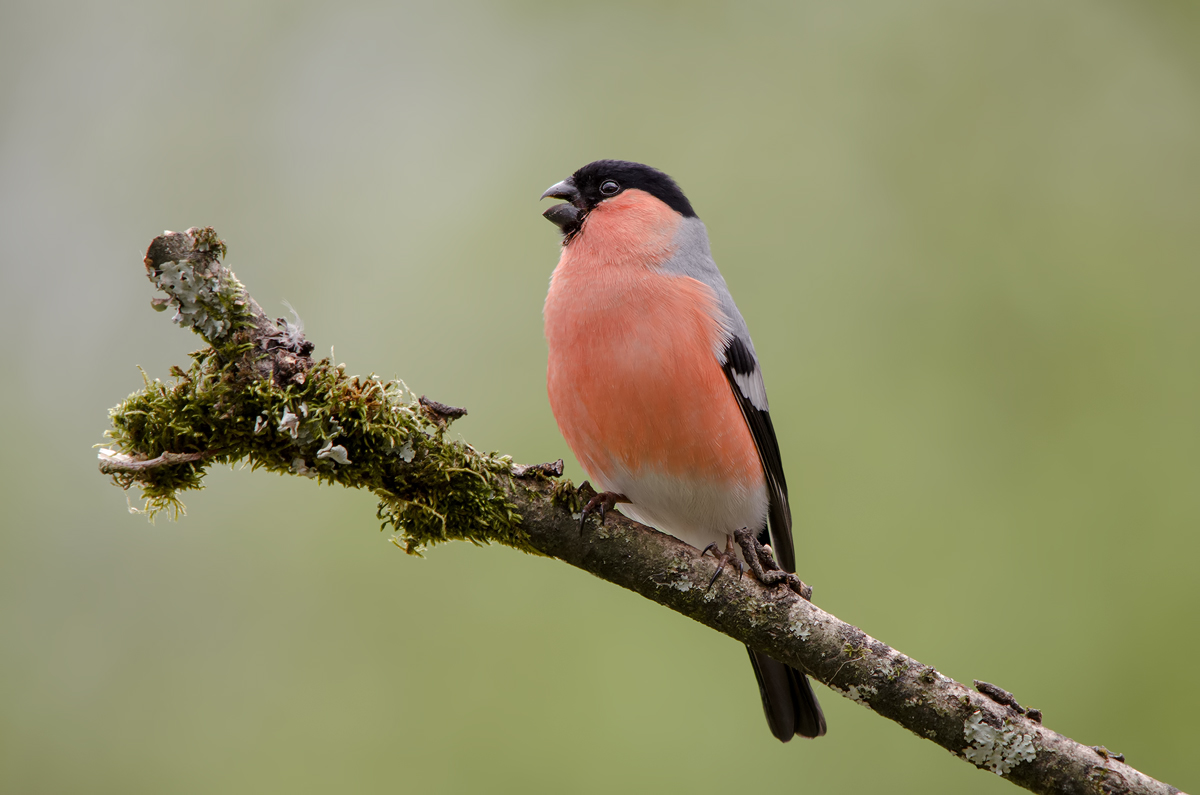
(763, 566)
(723, 559)
(600, 504)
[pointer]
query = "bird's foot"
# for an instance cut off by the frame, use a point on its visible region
(763, 566)
(599, 504)
(723, 559)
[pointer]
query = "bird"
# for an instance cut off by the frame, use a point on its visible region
(655, 385)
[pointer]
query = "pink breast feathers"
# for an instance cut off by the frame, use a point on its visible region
(636, 386)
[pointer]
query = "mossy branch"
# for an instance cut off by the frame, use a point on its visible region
(256, 395)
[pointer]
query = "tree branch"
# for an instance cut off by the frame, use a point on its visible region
(256, 394)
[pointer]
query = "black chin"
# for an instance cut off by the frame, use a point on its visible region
(565, 216)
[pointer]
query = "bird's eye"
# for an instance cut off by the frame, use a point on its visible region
(608, 187)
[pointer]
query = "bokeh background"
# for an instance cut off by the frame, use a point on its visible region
(964, 236)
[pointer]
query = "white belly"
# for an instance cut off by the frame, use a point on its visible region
(696, 513)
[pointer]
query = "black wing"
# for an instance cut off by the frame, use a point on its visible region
(788, 700)
(745, 378)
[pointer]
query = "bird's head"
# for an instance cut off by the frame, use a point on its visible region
(615, 187)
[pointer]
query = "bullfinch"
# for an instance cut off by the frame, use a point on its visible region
(655, 385)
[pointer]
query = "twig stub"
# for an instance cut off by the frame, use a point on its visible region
(440, 412)
(552, 469)
(999, 695)
(114, 463)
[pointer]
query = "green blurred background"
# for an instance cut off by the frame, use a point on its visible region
(963, 235)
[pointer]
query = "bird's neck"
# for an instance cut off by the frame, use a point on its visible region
(631, 231)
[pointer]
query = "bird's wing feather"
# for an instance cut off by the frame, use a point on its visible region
(745, 379)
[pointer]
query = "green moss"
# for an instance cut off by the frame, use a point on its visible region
(294, 417)
(336, 429)
(853, 652)
(567, 496)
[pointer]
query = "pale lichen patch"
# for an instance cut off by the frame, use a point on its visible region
(861, 694)
(290, 423)
(996, 749)
(799, 630)
(334, 452)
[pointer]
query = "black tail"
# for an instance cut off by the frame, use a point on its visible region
(788, 699)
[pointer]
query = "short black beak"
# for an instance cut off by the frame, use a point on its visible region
(564, 216)
(563, 190)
